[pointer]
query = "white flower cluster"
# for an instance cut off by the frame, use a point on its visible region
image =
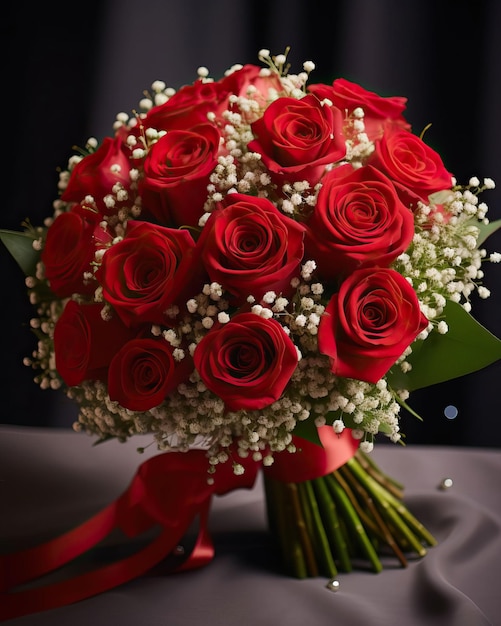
(444, 261)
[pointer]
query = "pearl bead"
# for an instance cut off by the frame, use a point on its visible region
(333, 584)
(446, 483)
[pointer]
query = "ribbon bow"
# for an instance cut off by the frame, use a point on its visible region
(167, 492)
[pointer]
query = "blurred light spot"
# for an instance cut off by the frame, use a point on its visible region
(451, 412)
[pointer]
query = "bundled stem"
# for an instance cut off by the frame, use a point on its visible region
(354, 514)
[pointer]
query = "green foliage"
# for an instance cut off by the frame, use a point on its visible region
(20, 246)
(465, 348)
(307, 430)
(486, 230)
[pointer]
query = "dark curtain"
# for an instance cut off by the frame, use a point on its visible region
(66, 80)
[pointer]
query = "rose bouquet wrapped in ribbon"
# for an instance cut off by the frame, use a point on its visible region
(263, 268)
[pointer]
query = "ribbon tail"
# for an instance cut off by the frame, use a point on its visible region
(203, 550)
(91, 583)
(33, 563)
(153, 499)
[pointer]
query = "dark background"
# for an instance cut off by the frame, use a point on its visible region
(66, 73)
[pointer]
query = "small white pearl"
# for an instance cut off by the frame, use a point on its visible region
(446, 483)
(333, 584)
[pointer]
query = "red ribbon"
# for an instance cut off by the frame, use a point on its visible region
(168, 491)
(311, 460)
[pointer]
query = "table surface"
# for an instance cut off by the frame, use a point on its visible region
(53, 480)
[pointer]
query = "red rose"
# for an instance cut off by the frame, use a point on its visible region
(246, 362)
(379, 112)
(68, 252)
(146, 272)
(97, 173)
(369, 323)
(189, 106)
(176, 174)
(358, 221)
(143, 373)
(249, 247)
(298, 138)
(84, 343)
(410, 163)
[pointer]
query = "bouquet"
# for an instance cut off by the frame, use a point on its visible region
(256, 272)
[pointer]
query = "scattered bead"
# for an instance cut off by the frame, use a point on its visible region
(333, 584)
(446, 484)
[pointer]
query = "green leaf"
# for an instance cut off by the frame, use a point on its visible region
(486, 230)
(441, 197)
(467, 347)
(306, 429)
(20, 246)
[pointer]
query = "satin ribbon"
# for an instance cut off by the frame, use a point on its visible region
(168, 492)
(311, 460)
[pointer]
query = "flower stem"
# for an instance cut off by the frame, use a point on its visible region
(325, 555)
(390, 483)
(354, 511)
(390, 504)
(334, 531)
(302, 530)
(374, 521)
(355, 524)
(280, 514)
